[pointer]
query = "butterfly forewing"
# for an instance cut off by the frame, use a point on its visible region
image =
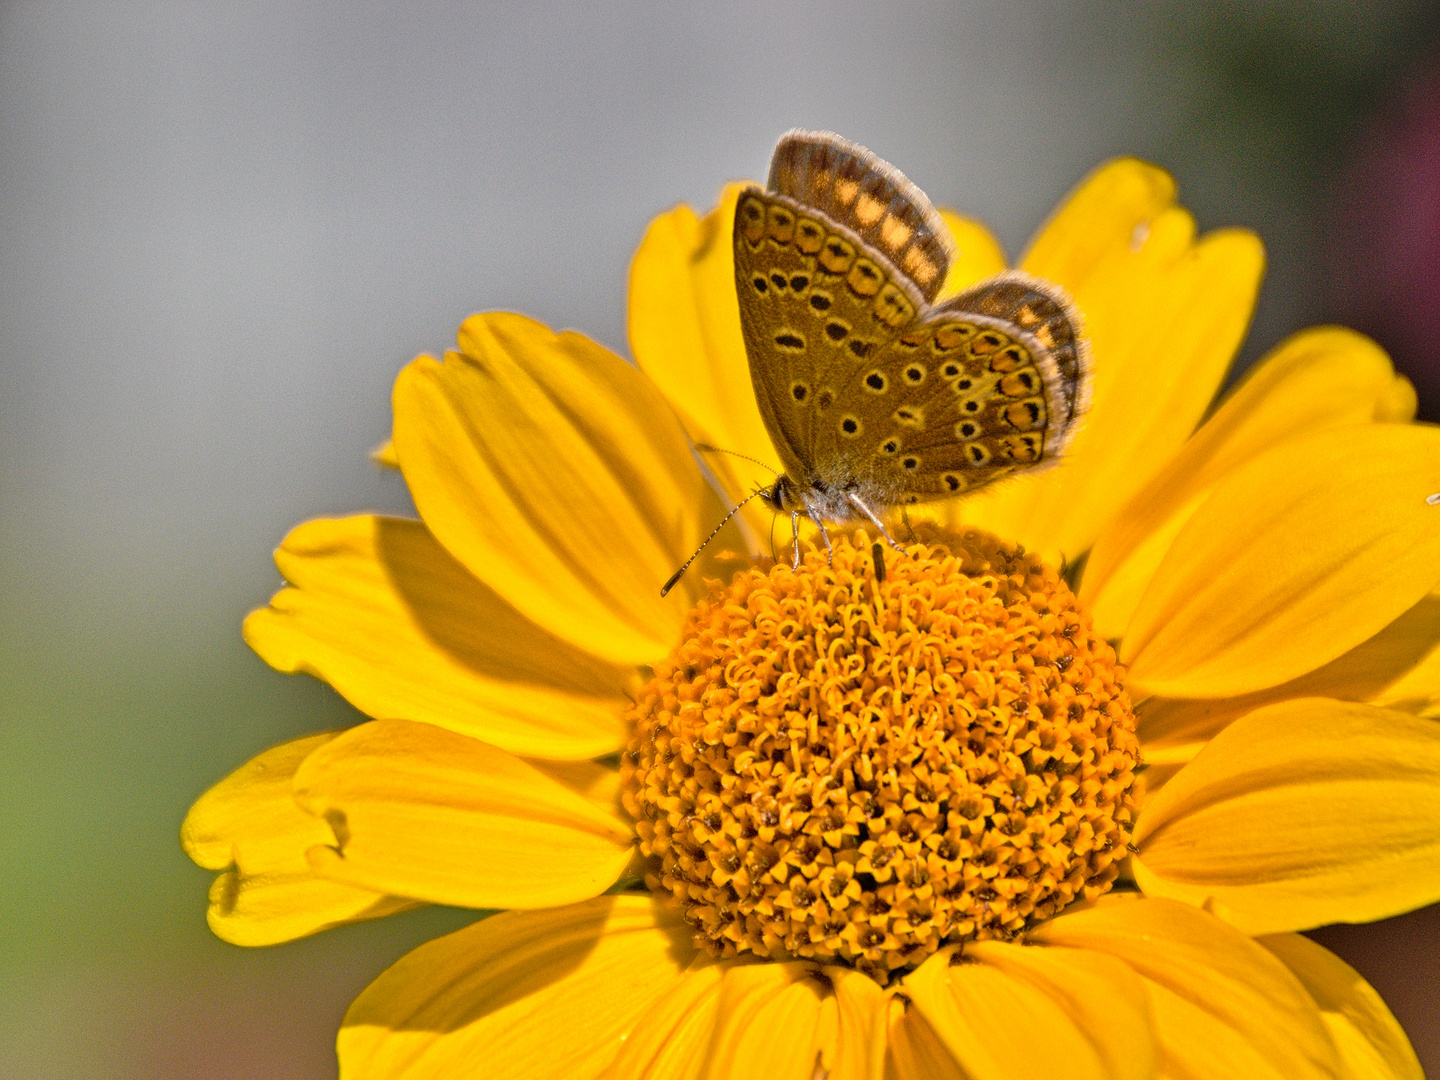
(866, 387)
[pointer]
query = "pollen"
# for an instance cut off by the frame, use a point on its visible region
(840, 767)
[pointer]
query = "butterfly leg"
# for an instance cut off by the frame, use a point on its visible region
(860, 504)
(795, 530)
(825, 533)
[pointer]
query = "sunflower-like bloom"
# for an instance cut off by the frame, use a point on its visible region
(1050, 794)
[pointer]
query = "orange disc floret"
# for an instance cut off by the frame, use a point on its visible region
(835, 766)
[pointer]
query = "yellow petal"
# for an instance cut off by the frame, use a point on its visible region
(384, 454)
(1164, 314)
(249, 826)
(556, 473)
(1221, 1005)
(685, 334)
(528, 995)
(913, 1051)
(1371, 1042)
(380, 611)
(420, 811)
(1321, 378)
(1106, 208)
(1299, 814)
(777, 1021)
(1293, 559)
(673, 1038)
(1092, 1009)
(1398, 667)
(978, 254)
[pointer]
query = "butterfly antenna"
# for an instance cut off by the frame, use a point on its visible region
(706, 448)
(675, 578)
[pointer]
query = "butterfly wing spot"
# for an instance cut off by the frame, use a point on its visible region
(1009, 359)
(837, 255)
(971, 406)
(1022, 449)
(761, 285)
(1026, 415)
(915, 374)
(824, 398)
(890, 446)
(861, 348)
(836, 330)
(799, 391)
(809, 236)
(967, 429)
(987, 343)
(778, 280)
(963, 384)
(850, 426)
(799, 282)
(820, 301)
(911, 462)
(978, 453)
(951, 370)
(911, 416)
(781, 224)
(875, 382)
(864, 278)
(952, 336)
(1020, 383)
(952, 481)
(790, 341)
(924, 268)
(893, 308)
(911, 341)
(752, 220)
(894, 233)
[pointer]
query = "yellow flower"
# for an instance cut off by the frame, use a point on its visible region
(841, 881)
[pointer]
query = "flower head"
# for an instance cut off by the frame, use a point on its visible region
(864, 817)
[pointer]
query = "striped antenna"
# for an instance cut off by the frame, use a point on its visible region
(675, 579)
(706, 448)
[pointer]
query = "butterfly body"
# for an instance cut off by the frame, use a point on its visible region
(874, 394)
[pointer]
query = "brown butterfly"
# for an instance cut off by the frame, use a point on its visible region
(874, 395)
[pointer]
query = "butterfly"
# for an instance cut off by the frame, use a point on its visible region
(873, 394)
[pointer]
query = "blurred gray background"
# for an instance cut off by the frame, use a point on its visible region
(224, 228)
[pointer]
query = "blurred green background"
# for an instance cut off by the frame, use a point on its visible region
(224, 228)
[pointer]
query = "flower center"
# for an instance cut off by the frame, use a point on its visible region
(848, 769)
